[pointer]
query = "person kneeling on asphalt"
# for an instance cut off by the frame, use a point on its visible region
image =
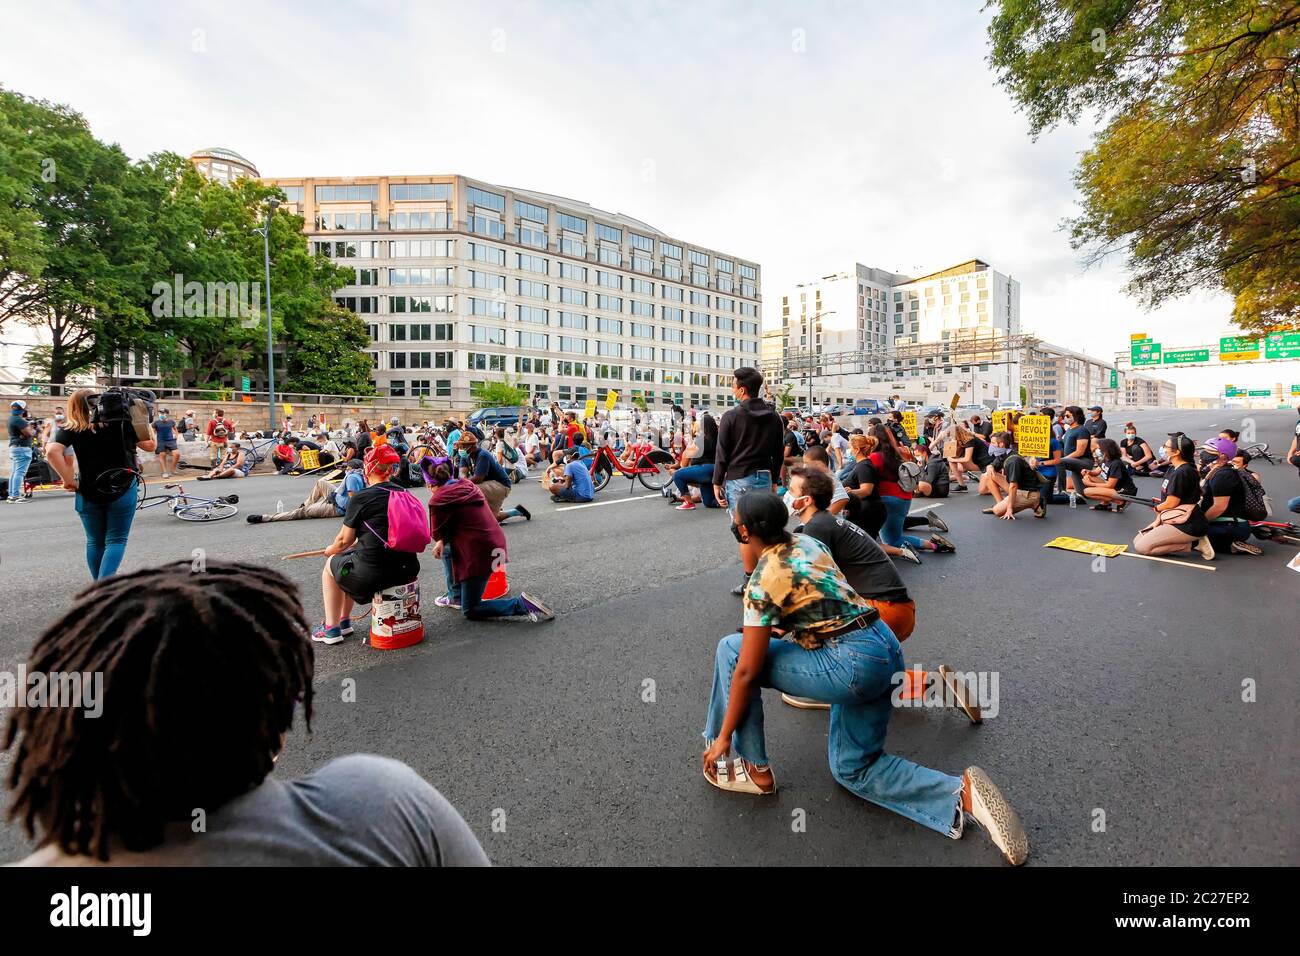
(470, 543)
(1017, 486)
(326, 499)
(573, 483)
(193, 712)
(833, 647)
(491, 478)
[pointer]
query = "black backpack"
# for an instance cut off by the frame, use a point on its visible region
(1256, 502)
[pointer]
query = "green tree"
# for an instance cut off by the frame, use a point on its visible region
(785, 395)
(1195, 175)
(503, 393)
(79, 275)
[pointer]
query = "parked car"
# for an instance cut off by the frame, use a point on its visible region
(869, 406)
(500, 415)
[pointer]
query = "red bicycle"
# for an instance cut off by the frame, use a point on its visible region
(651, 468)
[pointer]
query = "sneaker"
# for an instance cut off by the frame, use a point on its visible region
(537, 611)
(1101, 507)
(943, 545)
(686, 505)
(960, 489)
(528, 515)
(1040, 510)
(345, 626)
(1205, 548)
(804, 703)
(739, 589)
(984, 803)
(255, 519)
(935, 522)
(327, 635)
(1245, 547)
(958, 693)
(909, 555)
(446, 600)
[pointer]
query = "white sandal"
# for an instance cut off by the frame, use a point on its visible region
(732, 775)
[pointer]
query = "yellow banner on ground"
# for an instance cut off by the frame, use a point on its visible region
(1034, 436)
(611, 400)
(909, 424)
(1087, 547)
(590, 410)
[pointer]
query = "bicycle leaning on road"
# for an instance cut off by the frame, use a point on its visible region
(187, 507)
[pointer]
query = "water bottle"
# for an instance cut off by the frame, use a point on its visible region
(1074, 499)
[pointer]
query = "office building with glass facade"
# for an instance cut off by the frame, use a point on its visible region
(463, 281)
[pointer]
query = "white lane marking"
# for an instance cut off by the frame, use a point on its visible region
(617, 501)
(925, 508)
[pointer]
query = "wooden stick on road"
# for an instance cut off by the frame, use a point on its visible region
(1181, 564)
(304, 554)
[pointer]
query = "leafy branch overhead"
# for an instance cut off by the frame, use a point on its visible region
(1195, 174)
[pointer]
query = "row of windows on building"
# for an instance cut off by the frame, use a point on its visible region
(531, 234)
(494, 362)
(542, 392)
(445, 332)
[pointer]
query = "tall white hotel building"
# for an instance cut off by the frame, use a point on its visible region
(878, 314)
(463, 281)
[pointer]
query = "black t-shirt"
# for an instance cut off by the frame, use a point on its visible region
(865, 565)
(984, 430)
(363, 442)
(1097, 429)
(1133, 448)
(101, 449)
(864, 473)
(308, 446)
(17, 423)
(900, 434)
(708, 442)
(981, 457)
(1184, 484)
(1119, 469)
(936, 473)
(1016, 470)
(792, 447)
(1071, 441)
(1225, 483)
(370, 506)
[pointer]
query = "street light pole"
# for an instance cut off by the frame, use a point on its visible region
(270, 340)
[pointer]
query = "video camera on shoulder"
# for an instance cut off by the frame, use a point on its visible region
(121, 403)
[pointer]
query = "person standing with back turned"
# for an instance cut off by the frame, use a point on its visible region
(749, 451)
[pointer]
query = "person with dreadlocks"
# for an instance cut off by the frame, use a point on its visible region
(359, 563)
(195, 713)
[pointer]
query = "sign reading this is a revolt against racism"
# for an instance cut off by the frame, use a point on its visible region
(1034, 436)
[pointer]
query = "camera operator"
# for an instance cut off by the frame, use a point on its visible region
(105, 441)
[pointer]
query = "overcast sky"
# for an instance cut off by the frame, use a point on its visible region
(804, 135)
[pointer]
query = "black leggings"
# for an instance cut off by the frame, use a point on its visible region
(1077, 465)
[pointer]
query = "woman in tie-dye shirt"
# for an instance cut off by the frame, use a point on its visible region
(833, 647)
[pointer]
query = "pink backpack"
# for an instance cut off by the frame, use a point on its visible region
(408, 523)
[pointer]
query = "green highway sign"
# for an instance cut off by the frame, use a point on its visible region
(1282, 345)
(1260, 392)
(247, 384)
(1235, 348)
(1114, 378)
(1230, 392)
(1145, 353)
(1186, 356)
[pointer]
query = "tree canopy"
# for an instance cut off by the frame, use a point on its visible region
(1195, 173)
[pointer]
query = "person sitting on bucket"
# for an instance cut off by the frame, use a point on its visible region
(359, 563)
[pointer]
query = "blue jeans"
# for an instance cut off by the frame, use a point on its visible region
(844, 473)
(735, 488)
(891, 532)
(21, 459)
(107, 527)
(855, 675)
(475, 608)
(701, 475)
(1223, 533)
(1293, 505)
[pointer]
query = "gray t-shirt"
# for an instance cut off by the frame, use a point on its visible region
(358, 810)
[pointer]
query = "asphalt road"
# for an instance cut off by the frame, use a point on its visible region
(1119, 692)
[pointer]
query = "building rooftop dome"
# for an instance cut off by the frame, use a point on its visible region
(221, 153)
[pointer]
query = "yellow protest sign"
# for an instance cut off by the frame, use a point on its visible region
(590, 410)
(611, 401)
(1087, 547)
(1000, 420)
(288, 411)
(1034, 436)
(909, 424)
(956, 400)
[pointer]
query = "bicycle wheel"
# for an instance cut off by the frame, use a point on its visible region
(600, 478)
(655, 481)
(207, 511)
